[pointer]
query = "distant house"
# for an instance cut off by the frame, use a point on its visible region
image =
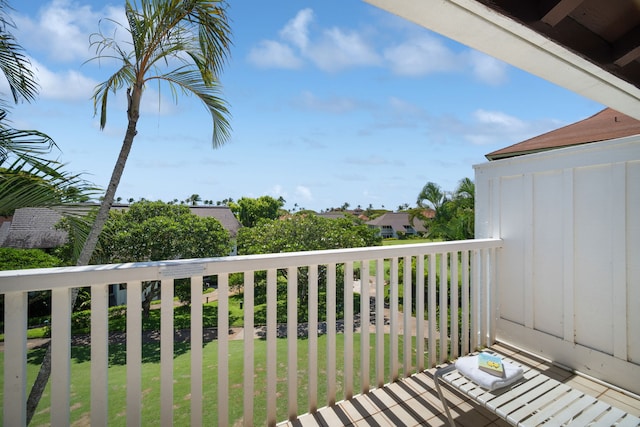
(396, 224)
(221, 213)
(602, 126)
(32, 228)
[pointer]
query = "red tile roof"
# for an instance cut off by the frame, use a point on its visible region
(607, 124)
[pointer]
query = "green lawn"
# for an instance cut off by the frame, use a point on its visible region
(80, 386)
(392, 242)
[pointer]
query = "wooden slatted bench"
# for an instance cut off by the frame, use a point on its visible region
(534, 400)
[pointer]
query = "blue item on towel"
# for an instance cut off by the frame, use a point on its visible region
(468, 366)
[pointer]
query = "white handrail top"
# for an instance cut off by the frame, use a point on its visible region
(50, 278)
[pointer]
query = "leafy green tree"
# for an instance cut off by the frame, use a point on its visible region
(192, 36)
(154, 231)
(19, 259)
(251, 211)
(305, 233)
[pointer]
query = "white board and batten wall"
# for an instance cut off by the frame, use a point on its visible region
(569, 270)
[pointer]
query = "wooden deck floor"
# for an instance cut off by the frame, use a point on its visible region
(414, 401)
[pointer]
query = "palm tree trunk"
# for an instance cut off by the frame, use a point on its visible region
(133, 113)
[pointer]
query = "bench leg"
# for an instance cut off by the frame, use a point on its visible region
(436, 379)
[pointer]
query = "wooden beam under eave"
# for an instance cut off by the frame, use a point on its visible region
(628, 57)
(627, 48)
(560, 11)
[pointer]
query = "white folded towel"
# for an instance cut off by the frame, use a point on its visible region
(468, 366)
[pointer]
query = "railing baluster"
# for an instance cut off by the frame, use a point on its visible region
(420, 329)
(348, 330)
(313, 338)
(134, 354)
(444, 286)
(484, 297)
(196, 351)
(271, 345)
(393, 314)
(248, 353)
(380, 322)
(454, 304)
(99, 355)
(292, 342)
(60, 356)
(492, 284)
(364, 326)
(223, 349)
(331, 334)
(15, 359)
(407, 308)
(475, 300)
(432, 312)
(465, 302)
(166, 352)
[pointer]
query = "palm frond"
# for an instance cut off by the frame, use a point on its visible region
(44, 184)
(14, 64)
(125, 76)
(189, 81)
(25, 144)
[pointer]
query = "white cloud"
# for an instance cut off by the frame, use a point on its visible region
(297, 30)
(489, 127)
(304, 193)
(487, 69)
(338, 50)
(273, 54)
(69, 85)
(499, 119)
(427, 54)
(277, 191)
(62, 29)
(333, 50)
(421, 56)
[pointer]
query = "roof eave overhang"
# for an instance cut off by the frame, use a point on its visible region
(478, 26)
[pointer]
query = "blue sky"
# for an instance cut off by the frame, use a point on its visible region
(332, 101)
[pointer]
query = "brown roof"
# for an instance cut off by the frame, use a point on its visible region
(605, 125)
(34, 228)
(222, 214)
(397, 221)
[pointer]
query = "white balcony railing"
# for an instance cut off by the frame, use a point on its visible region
(460, 274)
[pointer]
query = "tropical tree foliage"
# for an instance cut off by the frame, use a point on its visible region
(251, 211)
(181, 44)
(154, 231)
(19, 259)
(454, 216)
(302, 232)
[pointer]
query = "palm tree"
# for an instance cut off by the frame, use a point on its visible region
(193, 199)
(466, 189)
(433, 194)
(194, 36)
